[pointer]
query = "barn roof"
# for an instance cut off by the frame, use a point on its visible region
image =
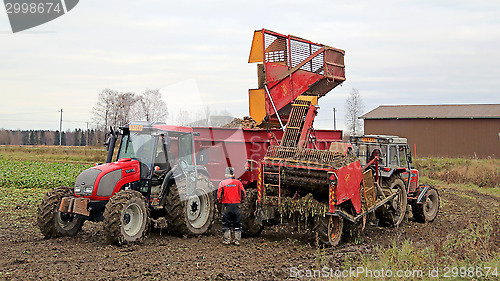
(434, 111)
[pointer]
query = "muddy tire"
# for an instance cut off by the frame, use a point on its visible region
(48, 216)
(328, 230)
(194, 215)
(393, 213)
(68, 224)
(126, 217)
(429, 210)
(250, 226)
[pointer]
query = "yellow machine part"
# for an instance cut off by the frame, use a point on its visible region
(257, 103)
(312, 99)
(257, 50)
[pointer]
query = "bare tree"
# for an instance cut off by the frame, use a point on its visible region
(113, 108)
(354, 108)
(184, 117)
(104, 107)
(124, 104)
(151, 107)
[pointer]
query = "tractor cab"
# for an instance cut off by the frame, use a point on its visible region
(393, 151)
(394, 157)
(147, 153)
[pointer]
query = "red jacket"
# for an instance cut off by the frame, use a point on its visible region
(230, 191)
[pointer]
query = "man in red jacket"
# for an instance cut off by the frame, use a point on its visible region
(231, 194)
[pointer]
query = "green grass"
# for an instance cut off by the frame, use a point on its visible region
(35, 174)
(17, 203)
(483, 173)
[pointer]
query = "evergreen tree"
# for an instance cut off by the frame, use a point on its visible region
(43, 141)
(31, 137)
(36, 139)
(77, 137)
(83, 141)
(56, 138)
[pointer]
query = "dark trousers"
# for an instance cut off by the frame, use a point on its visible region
(231, 218)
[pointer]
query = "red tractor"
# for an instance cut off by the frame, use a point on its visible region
(389, 157)
(154, 176)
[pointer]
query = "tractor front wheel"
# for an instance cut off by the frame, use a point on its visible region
(126, 217)
(429, 209)
(68, 224)
(50, 221)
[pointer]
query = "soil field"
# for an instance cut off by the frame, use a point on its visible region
(26, 255)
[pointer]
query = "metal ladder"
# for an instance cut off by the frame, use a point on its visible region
(264, 192)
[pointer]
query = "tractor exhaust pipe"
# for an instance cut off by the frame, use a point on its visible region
(110, 145)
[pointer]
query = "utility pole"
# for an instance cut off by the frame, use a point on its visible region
(334, 120)
(60, 128)
(87, 139)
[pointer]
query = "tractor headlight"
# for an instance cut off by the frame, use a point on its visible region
(88, 190)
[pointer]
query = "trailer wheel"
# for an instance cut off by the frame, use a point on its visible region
(250, 226)
(126, 217)
(328, 229)
(47, 217)
(429, 209)
(194, 215)
(394, 212)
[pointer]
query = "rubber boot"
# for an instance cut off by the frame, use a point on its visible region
(237, 238)
(227, 237)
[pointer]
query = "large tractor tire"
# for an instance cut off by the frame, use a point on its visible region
(126, 217)
(394, 212)
(50, 221)
(194, 215)
(429, 210)
(328, 229)
(250, 226)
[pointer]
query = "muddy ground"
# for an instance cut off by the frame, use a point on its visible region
(26, 255)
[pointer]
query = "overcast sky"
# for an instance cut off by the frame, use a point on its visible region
(196, 52)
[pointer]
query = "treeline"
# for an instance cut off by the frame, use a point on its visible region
(77, 137)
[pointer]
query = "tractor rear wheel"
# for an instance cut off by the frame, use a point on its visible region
(126, 217)
(429, 209)
(250, 226)
(194, 214)
(394, 212)
(328, 229)
(49, 219)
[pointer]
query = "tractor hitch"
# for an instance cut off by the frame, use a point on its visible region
(74, 205)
